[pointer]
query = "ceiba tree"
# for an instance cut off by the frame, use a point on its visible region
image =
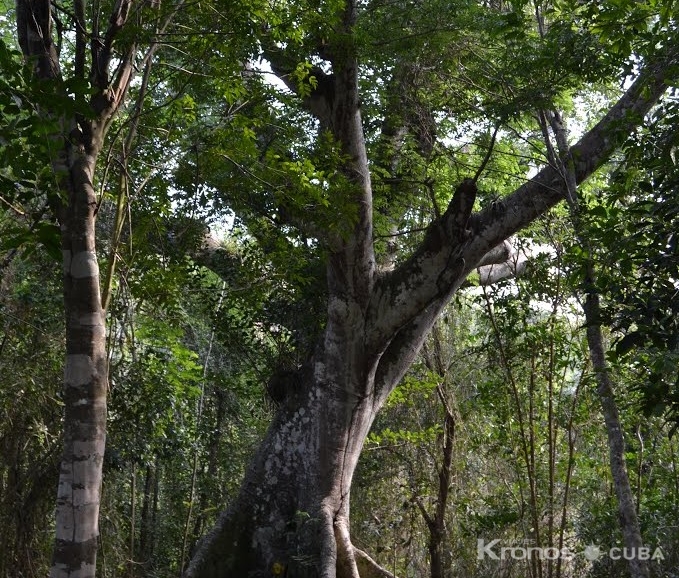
(291, 516)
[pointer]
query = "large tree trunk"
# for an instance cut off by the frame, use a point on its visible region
(292, 514)
(294, 499)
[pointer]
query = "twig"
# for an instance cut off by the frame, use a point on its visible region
(17, 210)
(488, 153)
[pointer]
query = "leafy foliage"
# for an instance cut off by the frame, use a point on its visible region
(636, 221)
(223, 157)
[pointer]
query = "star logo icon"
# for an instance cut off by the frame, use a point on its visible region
(592, 553)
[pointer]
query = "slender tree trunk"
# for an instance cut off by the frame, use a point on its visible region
(212, 471)
(146, 526)
(133, 518)
(85, 383)
(437, 524)
(629, 522)
(11, 507)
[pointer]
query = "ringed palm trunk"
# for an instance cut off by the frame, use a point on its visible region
(85, 383)
(78, 143)
(85, 366)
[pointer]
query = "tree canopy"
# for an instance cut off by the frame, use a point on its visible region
(346, 287)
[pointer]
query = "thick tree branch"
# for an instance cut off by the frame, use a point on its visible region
(34, 32)
(496, 255)
(548, 187)
(319, 100)
(80, 38)
(429, 273)
(513, 264)
(457, 243)
(115, 94)
(402, 351)
(102, 50)
(334, 101)
(491, 274)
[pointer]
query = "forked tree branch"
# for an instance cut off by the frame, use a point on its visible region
(452, 250)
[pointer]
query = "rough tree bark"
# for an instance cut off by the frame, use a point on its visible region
(291, 516)
(74, 204)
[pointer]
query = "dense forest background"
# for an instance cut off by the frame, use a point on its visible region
(214, 187)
